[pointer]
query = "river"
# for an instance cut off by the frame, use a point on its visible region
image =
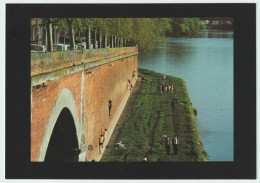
(206, 65)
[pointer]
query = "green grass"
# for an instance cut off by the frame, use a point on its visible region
(153, 115)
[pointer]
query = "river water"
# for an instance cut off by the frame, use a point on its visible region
(206, 65)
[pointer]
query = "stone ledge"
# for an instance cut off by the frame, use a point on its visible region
(43, 78)
(42, 63)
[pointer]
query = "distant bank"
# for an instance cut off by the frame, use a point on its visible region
(153, 115)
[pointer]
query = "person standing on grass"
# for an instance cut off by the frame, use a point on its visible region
(172, 88)
(175, 145)
(163, 88)
(160, 88)
(167, 144)
(109, 106)
(173, 103)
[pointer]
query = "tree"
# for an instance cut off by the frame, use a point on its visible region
(145, 32)
(185, 26)
(48, 22)
(63, 27)
(71, 22)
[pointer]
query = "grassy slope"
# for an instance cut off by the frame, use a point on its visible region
(151, 116)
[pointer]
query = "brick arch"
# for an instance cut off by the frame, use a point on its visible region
(65, 99)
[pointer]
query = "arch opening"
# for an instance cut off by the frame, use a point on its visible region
(63, 145)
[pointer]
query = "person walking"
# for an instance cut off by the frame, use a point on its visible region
(133, 74)
(175, 145)
(109, 106)
(101, 140)
(105, 135)
(167, 144)
(128, 85)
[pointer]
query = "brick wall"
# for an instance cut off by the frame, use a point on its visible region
(43, 100)
(107, 82)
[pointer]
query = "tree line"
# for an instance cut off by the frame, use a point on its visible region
(117, 32)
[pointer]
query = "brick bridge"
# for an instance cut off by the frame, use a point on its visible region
(70, 91)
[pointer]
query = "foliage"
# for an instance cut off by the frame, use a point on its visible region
(145, 32)
(185, 26)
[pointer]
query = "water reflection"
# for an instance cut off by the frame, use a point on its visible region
(215, 34)
(206, 65)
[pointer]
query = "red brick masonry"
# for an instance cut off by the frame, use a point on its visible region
(108, 81)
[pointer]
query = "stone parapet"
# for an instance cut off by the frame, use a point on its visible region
(42, 63)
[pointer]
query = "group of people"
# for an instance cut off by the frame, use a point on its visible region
(102, 139)
(167, 89)
(129, 83)
(168, 142)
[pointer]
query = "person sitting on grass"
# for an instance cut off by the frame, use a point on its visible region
(143, 78)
